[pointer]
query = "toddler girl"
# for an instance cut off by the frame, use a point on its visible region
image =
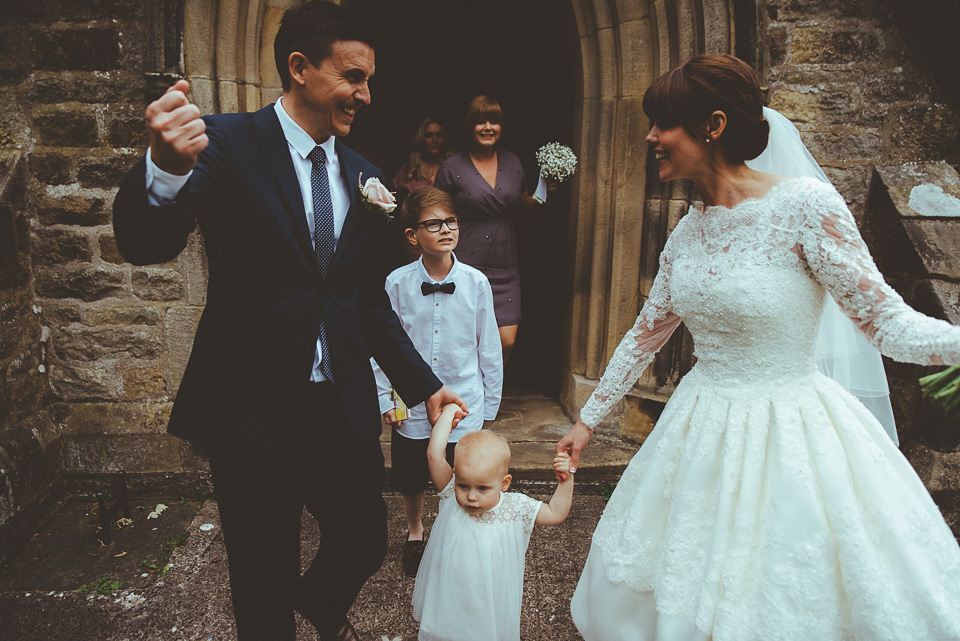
(470, 581)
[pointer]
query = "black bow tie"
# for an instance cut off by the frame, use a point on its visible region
(430, 288)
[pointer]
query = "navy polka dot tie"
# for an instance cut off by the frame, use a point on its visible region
(322, 235)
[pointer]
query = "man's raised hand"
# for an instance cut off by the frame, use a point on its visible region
(176, 131)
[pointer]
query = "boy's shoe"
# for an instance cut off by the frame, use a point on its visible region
(412, 553)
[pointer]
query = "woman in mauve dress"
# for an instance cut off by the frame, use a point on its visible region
(488, 186)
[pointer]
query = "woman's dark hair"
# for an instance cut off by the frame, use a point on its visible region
(311, 29)
(482, 109)
(422, 199)
(688, 94)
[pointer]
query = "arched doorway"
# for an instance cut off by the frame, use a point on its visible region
(617, 221)
(433, 56)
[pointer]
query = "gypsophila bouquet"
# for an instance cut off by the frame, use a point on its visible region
(943, 390)
(556, 161)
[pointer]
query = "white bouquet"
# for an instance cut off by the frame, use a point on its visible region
(557, 162)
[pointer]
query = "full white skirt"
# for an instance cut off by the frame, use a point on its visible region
(769, 513)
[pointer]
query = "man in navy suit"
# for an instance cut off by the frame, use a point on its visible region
(279, 390)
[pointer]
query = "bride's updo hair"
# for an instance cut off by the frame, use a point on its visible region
(688, 94)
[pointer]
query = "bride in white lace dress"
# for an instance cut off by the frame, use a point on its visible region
(768, 504)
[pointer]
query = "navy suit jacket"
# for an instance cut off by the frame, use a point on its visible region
(254, 346)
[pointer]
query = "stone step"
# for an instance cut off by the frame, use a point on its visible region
(532, 425)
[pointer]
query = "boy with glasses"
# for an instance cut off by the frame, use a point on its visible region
(446, 307)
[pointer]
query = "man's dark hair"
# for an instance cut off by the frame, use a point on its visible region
(311, 29)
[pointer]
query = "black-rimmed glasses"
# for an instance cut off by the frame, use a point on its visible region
(434, 224)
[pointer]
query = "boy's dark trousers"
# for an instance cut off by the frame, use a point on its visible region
(261, 496)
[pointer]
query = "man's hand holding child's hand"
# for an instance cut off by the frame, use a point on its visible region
(561, 466)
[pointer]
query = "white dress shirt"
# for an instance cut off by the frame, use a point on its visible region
(457, 335)
(163, 187)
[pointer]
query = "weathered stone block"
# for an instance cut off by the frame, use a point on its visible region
(14, 267)
(46, 87)
(93, 343)
(15, 305)
(142, 383)
(79, 281)
(920, 131)
(84, 47)
(19, 337)
(72, 209)
(134, 453)
(51, 167)
(99, 382)
(111, 419)
(157, 284)
(844, 45)
(14, 51)
(639, 417)
(25, 385)
(192, 458)
(90, 10)
(59, 314)
(193, 261)
(116, 87)
(105, 171)
(103, 87)
(838, 104)
(900, 184)
(54, 246)
(150, 316)
(180, 327)
(66, 125)
(126, 128)
(778, 44)
(845, 145)
(108, 249)
(937, 298)
(937, 244)
(793, 10)
(12, 177)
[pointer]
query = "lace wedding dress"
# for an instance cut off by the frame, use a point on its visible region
(768, 504)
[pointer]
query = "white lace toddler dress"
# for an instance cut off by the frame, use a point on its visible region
(470, 583)
(768, 504)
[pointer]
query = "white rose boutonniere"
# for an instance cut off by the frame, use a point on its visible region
(376, 197)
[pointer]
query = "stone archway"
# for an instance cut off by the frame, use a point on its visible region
(618, 224)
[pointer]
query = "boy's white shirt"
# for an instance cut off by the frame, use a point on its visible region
(457, 335)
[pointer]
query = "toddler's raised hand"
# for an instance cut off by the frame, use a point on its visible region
(561, 466)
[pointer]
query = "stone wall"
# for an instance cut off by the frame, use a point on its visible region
(87, 339)
(872, 84)
(866, 82)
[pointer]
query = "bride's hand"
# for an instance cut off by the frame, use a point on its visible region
(574, 442)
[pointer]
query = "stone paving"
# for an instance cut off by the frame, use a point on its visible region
(192, 601)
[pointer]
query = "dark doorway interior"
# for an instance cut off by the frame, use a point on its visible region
(433, 56)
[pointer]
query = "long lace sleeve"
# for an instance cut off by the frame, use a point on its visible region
(839, 259)
(653, 328)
